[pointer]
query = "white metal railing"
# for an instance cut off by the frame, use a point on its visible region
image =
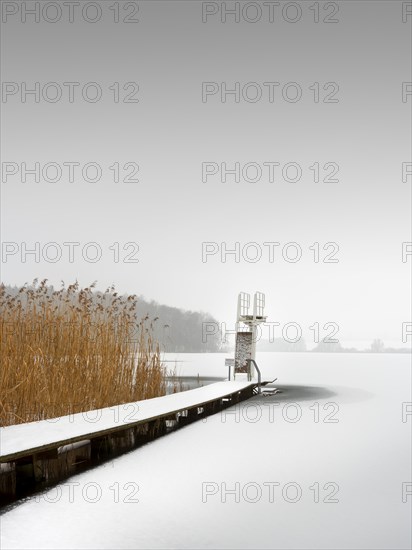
(243, 304)
(258, 304)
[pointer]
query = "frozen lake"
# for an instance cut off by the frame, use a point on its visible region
(324, 464)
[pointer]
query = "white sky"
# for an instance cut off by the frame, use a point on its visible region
(171, 132)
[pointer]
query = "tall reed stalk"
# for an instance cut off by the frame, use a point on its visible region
(73, 350)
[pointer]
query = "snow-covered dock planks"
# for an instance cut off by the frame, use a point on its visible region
(49, 450)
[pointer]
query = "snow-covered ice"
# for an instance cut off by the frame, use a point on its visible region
(325, 464)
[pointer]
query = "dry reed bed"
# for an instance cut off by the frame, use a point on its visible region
(73, 350)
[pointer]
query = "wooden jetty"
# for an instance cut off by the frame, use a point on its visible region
(38, 454)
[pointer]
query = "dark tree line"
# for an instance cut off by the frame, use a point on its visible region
(176, 330)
